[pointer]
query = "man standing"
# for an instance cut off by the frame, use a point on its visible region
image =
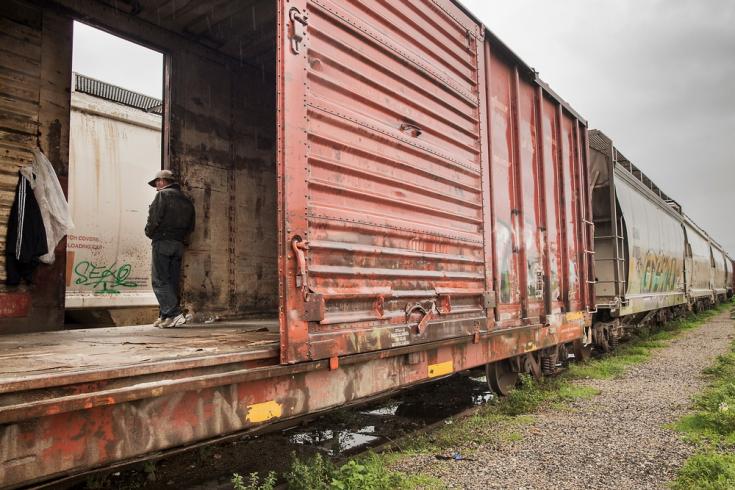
(170, 222)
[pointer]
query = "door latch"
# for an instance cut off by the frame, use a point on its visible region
(299, 246)
(297, 28)
(428, 312)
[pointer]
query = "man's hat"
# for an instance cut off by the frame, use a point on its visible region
(162, 174)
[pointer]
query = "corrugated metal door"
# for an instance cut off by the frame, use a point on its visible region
(380, 175)
(20, 85)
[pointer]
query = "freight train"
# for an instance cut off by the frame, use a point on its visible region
(386, 195)
(652, 262)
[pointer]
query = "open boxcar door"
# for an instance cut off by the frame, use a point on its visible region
(380, 169)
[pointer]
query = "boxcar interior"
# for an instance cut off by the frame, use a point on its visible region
(220, 138)
(221, 141)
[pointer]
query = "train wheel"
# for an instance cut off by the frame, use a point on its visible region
(532, 366)
(501, 377)
(582, 353)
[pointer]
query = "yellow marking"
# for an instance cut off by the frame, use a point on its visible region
(260, 412)
(441, 369)
(575, 315)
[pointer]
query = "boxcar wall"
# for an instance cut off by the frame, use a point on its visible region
(35, 79)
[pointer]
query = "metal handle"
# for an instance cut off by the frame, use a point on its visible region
(297, 28)
(298, 245)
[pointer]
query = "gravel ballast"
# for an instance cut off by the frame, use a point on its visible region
(617, 439)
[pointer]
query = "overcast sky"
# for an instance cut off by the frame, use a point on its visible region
(657, 76)
(108, 58)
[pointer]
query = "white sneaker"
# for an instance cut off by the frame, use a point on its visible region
(165, 323)
(158, 322)
(177, 321)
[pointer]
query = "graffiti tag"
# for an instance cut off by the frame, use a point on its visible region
(103, 279)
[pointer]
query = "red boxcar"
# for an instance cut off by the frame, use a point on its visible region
(433, 215)
(391, 217)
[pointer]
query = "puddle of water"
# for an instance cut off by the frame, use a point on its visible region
(336, 442)
(388, 410)
(354, 429)
(482, 398)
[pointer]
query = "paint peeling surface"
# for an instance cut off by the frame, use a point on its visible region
(262, 412)
(388, 203)
(82, 418)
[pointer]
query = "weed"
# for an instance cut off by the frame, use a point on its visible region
(253, 482)
(568, 392)
(712, 425)
(314, 474)
(96, 481)
(149, 468)
(524, 399)
(369, 473)
(707, 471)
(714, 416)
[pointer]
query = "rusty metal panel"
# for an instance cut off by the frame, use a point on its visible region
(82, 420)
(571, 222)
(553, 195)
(380, 161)
(507, 240)
(531, 200)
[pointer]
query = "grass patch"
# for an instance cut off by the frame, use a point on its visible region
(712, 426)
(500, 422)
(710, 470)
(368, 472)
(639, 348)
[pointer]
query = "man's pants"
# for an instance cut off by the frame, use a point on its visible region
(166, 271)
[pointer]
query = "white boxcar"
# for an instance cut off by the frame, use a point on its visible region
(114, 150)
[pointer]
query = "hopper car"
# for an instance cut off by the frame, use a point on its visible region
(386, 194)
(114, 145)
(652, 262)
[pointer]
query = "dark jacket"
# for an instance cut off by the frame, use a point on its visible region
(26, 239)
(170, 216)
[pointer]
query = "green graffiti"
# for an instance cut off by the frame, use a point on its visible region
(103, 279)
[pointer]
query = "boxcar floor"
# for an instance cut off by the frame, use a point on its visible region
(74, 351)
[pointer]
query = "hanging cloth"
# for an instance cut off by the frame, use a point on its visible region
(52, 202)
(26, 240)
